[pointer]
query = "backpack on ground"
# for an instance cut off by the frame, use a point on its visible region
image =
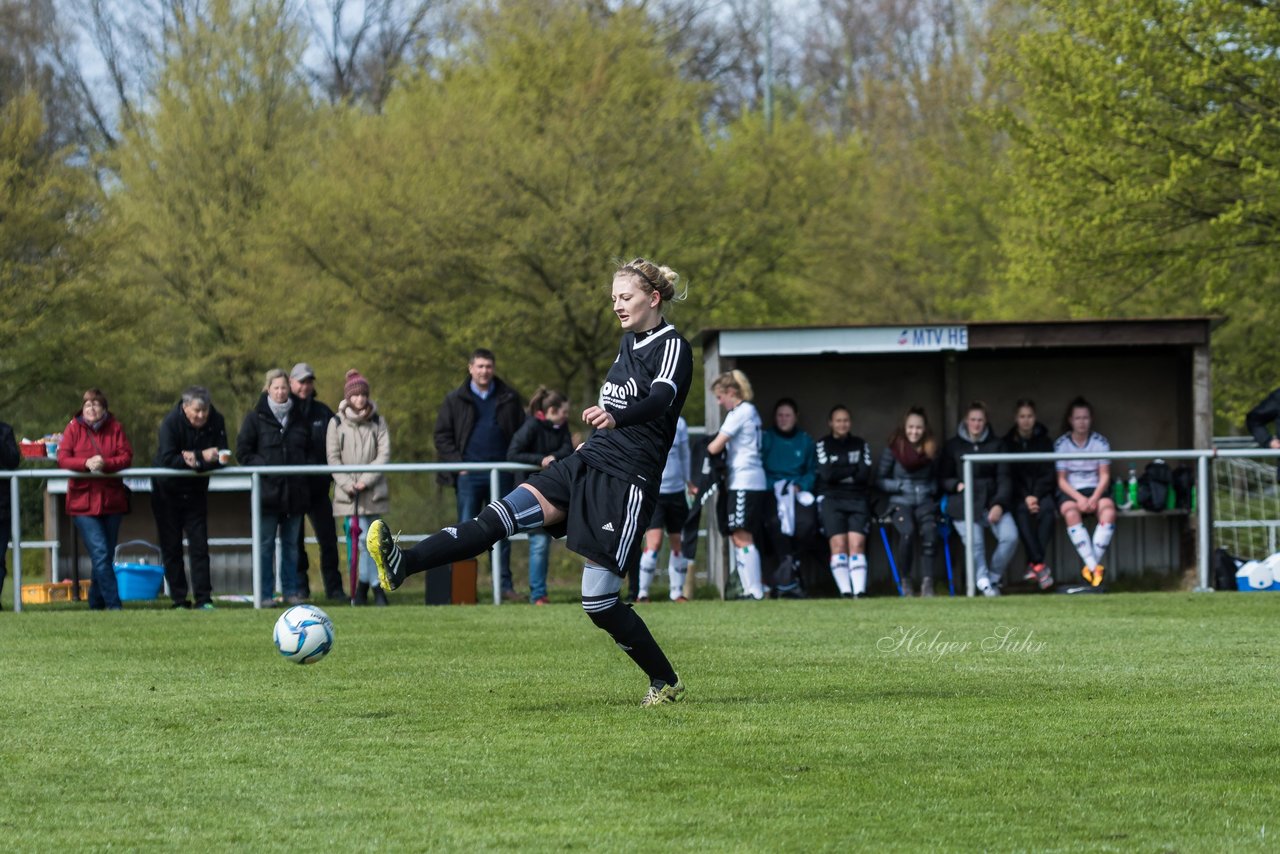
(1225, 566)
(1154, 486)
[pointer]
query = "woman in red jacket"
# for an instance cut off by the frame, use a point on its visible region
(95, 442)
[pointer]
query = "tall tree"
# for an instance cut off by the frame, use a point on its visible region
(191, 213)
(1147, 161)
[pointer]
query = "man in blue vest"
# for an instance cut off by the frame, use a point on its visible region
(475, 424)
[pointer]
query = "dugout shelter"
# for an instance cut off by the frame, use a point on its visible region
(1148, 380)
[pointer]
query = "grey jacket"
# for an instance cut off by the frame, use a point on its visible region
(906, 488)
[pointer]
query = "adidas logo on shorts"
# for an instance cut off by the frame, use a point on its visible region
(607, 526)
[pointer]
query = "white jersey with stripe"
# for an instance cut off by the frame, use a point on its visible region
(742, 454)
(676, 474)
(639, 451)
(1081, 474)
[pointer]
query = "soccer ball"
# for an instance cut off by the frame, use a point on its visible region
(304, 634)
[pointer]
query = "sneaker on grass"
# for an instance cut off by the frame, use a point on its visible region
(661, 693)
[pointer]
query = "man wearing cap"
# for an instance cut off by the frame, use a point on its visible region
(475, 424)
(302, 380)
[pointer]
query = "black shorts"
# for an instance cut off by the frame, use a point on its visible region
(605, 516)
(1087, 492)
(845, 516)
(746, 510)
(670, 513)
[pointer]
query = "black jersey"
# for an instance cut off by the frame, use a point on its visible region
(844, 467)
(638, 447)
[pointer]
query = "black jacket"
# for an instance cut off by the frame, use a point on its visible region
(263, 442)
(317, 416)
(844, 467)
(1038, 479)
(1261, 415)
(458, 416)
(9, 459)
(535, 439)
(991, 482)
(177, 435)
(904, 487)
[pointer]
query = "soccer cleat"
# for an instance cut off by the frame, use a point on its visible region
(386, 555)
(1044, 577)
(1097, 575)
(1088, 575)
(642, 598)
(660, 696)
(1032, 573)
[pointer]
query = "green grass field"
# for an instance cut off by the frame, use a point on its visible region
(1127, 722)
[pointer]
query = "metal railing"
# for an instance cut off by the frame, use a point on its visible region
(256, 474)
(1203, 489)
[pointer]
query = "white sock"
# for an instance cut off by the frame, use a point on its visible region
(1079, 537)
(840, 571)
(648, 566)
(677, 568)
(858, 573)
(1101, 539)
(749, 571)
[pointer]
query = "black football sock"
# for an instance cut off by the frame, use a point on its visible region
(464, 541)
(631, 634)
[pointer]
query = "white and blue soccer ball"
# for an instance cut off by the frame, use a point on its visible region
(304, 634)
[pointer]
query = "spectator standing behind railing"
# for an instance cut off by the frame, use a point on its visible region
(790, 467)
(359, 436)
(908, 475)
(540, 441)
(9, 459)
(992, 496)
(1265, 413)
(191, 436)
(272, 434)
(94, 441)
(475, 424)
(1083, 488)
(1035, 508)
(318, 417)
(844, 479)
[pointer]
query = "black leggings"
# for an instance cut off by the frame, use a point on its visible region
(910, 522)
(1036, 531)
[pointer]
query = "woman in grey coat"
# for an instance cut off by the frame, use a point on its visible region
(908, 475)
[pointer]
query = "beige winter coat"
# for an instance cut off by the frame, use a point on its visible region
(349, 442)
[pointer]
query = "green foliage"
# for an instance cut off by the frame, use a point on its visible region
(46, 211)
(189, 242)
(1146, 160)
(517, 728)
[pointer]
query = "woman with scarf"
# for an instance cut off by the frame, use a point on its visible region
(908, 475)
(272, 434)
(358, 436)
(95, 442)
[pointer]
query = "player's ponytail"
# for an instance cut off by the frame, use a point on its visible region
(735, 380)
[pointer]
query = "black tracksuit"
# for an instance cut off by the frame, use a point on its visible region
(181, 504)
(1038, 479)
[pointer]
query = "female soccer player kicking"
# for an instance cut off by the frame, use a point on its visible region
(601, 496)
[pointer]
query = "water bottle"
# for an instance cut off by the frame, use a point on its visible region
(1118, 491)
(1133, 488)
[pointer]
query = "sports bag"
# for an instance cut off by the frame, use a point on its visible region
(1154, 486)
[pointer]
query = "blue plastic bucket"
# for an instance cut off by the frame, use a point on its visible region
(139, 580)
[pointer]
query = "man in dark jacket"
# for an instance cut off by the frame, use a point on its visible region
(9, 459)
(302, 382)
(992, 496)
(475, 424)
(191, 436)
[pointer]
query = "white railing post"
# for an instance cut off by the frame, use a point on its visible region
(971, 531)
(1202, 509)
(15, 537)
(495, 553)
(255, 526)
